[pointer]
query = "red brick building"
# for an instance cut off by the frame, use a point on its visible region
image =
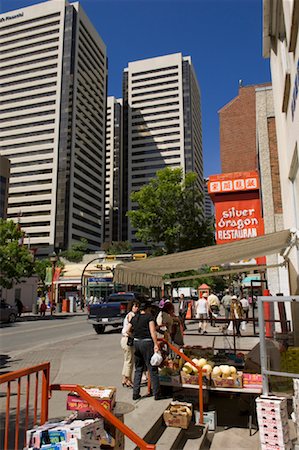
(238, 132)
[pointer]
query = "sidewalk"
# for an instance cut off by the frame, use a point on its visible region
(28, 316)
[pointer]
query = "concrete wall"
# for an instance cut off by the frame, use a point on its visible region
(26, 292)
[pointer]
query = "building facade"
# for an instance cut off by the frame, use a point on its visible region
(52, 120)
(113, 164)
(162, 123)
(237, 121)
(281, 45)
(4, 183)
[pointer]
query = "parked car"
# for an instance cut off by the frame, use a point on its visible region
(8, 313)
(112, 311)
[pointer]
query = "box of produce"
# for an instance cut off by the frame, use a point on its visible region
(252, 381)
(189, 373)
(226, 376)
(178, 415)
(167, 375)
(104, 395)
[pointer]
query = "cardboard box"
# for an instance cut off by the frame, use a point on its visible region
(178, 415)
(209, 418)
(186, 378)
(104, 395)
(252, 381)
(235, 381)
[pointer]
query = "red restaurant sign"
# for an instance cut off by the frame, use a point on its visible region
(237, 206)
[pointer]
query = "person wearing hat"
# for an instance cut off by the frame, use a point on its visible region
(236, 313)
(201, 310)
(226, 301)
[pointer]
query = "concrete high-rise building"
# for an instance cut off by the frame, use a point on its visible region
(113, 164)
(52, 123)
(162, 122)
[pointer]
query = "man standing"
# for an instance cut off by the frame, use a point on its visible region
(214, 306)
(226, 301)
(202, 313)
(183, 308)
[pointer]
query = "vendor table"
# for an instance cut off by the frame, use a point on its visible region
(253, 393)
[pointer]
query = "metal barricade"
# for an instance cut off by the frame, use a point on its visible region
(14, 385)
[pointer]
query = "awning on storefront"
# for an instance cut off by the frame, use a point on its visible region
(150, 272)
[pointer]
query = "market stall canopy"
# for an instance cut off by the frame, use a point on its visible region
(150, 272)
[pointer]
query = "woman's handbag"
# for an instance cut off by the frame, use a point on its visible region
(130, 341)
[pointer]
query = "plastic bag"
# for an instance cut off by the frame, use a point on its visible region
(243, 325)
(156, 359)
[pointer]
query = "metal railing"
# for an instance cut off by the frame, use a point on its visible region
(200, 388)
(93, 402)
(14, 379)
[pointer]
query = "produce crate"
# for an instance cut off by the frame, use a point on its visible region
(193, 379)
(234, 381)
(104, 395)
(178, 415)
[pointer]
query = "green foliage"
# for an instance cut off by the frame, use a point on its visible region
(16, 261)
(119, 248)
(169, 212)
(76, 252)
(40, 267)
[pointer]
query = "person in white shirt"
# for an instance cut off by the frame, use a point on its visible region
(214, 306)
(245, 306)
(201, 309)
(128, 350)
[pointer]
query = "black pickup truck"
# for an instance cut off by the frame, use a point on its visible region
(113, 311)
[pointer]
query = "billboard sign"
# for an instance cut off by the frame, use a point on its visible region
(233, 182)
(238, 219)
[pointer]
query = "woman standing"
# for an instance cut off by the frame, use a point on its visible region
(236, 313)
(128, 349)
(145, 344)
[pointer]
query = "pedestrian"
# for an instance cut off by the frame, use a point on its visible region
(214, 306)
(43, 308)
(126, 344)
(183, 308)
(201, 311)
(236, 313)
(245, 307)
(145, 344)
(19, 306)
(226, 301)
(82, 304)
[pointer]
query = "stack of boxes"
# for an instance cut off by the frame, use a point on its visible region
(272, 419)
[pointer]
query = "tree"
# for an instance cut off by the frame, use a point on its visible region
(16, 261)
(119, 248)
(76, 252)
(169, 213)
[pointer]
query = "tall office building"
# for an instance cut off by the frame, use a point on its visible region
(52, 123)
(4, 183)
(113, 170)
(162, 122)
(209, 206)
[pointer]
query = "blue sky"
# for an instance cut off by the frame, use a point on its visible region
(223, 37)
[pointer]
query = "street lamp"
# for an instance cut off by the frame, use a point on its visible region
(53, 259)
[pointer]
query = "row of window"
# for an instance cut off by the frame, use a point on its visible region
(29, 88)
(32, 53)
(28, 97)
(35, 61)
(141, 102)
(46, 24)
(25, 135)
(153, 85)
(26, 72)
(25, 125)
(24, 47)
(161, 69)
(156, 135)
(142, 108)
(138, 116)
(156, 91)
(25, 107)
(30, 193)
(29, 37)
(155, 145)
(145, 128)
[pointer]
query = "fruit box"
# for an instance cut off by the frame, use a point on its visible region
(178, 415)
(104, 395)
(235, 381)
(193, 379)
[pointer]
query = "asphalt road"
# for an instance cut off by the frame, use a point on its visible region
(31, 335)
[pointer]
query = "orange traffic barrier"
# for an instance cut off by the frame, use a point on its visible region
(200, 390)
(65, 305)
(13, 381)
(268, 315)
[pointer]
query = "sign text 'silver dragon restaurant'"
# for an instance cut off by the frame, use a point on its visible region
(236, 198)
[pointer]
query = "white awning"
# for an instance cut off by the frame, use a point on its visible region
(149, 272)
